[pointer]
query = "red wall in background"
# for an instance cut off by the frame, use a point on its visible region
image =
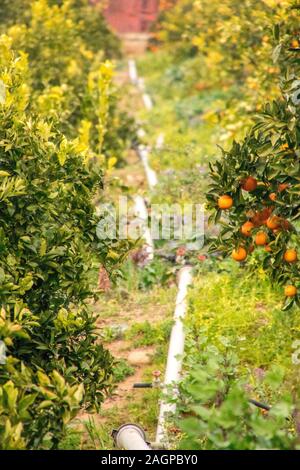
(131, 16)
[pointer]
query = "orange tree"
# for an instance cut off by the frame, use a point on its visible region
(52, 362)
(88, 18)
(228, 47)
(66, 43)
(260, 178)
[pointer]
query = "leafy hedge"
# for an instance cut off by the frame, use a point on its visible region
(56, 104)
(65, 43)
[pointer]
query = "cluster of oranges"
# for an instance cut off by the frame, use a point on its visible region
(256, 220)
(295, 44)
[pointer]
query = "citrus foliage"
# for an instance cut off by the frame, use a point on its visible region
(52, 363)
(13, 11)
(235, 47)
(268, 158)
(88, 19)
(66, 67)
(227, 46)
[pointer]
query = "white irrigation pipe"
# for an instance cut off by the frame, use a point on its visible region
(131, 437)
(160, 141)
(176, 346)
(133, 75)
(142, 214)
(148, 101)
(141, 84)
(141, 133)
(143, 152)
(176, 350)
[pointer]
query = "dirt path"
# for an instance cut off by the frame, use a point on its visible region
(124, 310)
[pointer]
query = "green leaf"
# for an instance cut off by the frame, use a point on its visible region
(45, 404)
(276, 32)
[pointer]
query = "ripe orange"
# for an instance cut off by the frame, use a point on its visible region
(246, 228)
(268, 248)
(295, 43)
(261, 239)
(200, 86)
(249, 184)
(239, 254)
(225, 202)
(290, 256)
(273, 196)
(273, 70)
(290, 291)
(273, 222)
(284, 147)
(282, 187)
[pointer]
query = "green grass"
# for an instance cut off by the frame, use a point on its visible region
(246, 311)
(147, 334)
(122, 370)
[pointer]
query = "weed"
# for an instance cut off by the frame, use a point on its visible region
(146, 334)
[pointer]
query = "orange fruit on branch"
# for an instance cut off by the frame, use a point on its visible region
(284, 147)
(273, 196)
(261, 239)
(249, 184)
(282, 187)
(290, 256)
(273, 222)
(239, 254)
(225, 202)
(246, 228)
(290, 291)
(200, 86)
